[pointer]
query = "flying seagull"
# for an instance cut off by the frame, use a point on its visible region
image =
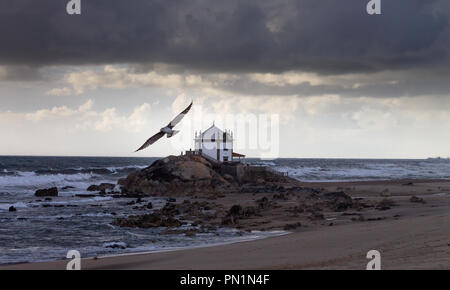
(166, 130)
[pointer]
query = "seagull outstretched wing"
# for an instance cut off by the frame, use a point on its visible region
(180, 116)
(151, 140)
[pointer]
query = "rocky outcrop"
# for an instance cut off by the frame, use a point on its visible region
(47, 192)
(184, 175)
(174, 175)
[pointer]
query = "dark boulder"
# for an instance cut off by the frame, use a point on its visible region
(12, 209)
(293, 226)
(47, 192)
(416, 199)
(101, 187)
(235, 210)
(263, 203)
(232, 216)
(249, 211)
(339, 201)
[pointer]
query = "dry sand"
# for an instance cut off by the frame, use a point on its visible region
(408, 236)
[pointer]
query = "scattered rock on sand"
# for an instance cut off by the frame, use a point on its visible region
(232, 216)
(385, 204)
(339, 200)
(47, 192)
(416, 199)
(293, 226)
(236, 212)
(249, 211)
(263, 203)
(152, 220)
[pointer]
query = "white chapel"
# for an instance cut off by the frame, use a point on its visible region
(216, 144)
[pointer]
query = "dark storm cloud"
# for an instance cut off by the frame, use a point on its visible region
(324, 36)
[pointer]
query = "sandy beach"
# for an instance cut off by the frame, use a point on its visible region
(409, 235)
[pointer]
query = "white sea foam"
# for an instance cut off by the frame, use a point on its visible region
(34, 180)
(118, 168)
(115, 245)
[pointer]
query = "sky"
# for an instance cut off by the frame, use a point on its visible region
(330, 80)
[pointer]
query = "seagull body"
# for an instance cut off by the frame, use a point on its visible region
(167, 130)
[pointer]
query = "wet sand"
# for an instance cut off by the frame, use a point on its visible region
(408, 236)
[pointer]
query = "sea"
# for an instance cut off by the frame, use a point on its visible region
(45, 230)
